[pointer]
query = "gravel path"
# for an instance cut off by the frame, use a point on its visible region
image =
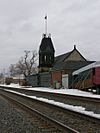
(14, 121)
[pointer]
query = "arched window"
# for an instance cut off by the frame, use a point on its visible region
(45, 58)
(50, 58)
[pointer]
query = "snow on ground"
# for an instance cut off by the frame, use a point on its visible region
(66, 106)
(11, 85)
(61, 91)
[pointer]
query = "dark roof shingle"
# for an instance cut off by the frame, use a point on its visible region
(46, 44)
(70, 65)
(61, 58)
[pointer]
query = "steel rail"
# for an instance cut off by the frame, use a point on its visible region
(90, 104)
(79, 114)
(87, 119)
(63, 128)
(63, 96)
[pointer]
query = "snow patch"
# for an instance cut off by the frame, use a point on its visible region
(74, 92)
(66, 106)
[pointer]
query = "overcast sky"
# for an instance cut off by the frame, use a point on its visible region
(70, 22)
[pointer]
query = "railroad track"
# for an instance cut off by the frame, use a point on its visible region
(90, 104)
(79, 122)
(45, 123)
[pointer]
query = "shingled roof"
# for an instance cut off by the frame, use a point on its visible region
(46, 44)
(61, 58)
(62, 64)
(72, 65)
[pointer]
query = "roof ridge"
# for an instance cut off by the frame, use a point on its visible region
(63, 54)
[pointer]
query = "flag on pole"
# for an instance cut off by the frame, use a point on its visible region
(46, 17)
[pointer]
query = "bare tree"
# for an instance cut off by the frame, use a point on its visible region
(12, 70)
(26, 65)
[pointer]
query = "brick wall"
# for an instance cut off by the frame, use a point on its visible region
(56, 78)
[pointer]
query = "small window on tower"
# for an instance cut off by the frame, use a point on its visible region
(50, 58)
(45, 58)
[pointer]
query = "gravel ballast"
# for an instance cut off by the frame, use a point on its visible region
(14, 120)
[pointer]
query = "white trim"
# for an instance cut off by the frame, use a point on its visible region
(95, 64)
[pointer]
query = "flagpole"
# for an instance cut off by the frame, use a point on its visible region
(46, 24)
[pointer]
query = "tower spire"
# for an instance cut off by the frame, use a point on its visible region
(46, 25)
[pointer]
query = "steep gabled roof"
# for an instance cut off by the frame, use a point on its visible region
(63, 62)
(46, 44)
(63, 57)
(77, 52)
